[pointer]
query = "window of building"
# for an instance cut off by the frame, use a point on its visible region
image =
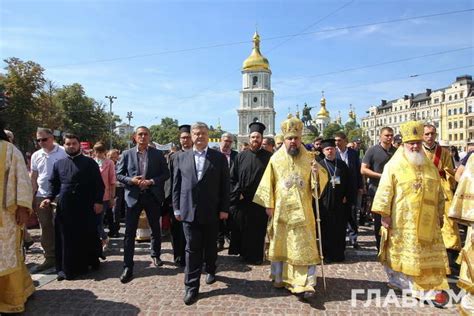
(455, 97)
(461, 95)
(469, 109)
(455, 124)
(455, 136)
(254, 80)
(455, 111)
(436, 100)
(449, 112)
(406, 117)
(460, 110)
(450, 137)
(450, 125)
(390, 120)
(461, 136)
(436, 124)
(450, 98)
(461, 124)
(395, 119)
(470, 122)
(470, 135)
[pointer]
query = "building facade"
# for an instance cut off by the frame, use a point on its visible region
(256, 96)
(450, 109)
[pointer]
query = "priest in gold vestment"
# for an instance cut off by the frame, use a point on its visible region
(285, 190)
(462, 210)
(16, 199)
(411, 202)
(442, 160)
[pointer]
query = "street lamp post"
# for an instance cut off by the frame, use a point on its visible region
(111, 101)
(129, 117)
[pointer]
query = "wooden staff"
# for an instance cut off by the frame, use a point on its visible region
(318, 225)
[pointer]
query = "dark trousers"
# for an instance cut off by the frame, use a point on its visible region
(201, 246)
(113, 215)
(224, 231)
(152, 207)
(178, 240)
(377, 225)
(352, 227)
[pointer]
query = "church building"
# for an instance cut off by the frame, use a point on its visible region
(256, 96)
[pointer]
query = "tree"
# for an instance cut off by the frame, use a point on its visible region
(165, 132)
(24, 82)
(331, 129)
(83, 115)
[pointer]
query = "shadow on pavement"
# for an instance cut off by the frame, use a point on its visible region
(339, 289)
(75, 302)
(113, 269)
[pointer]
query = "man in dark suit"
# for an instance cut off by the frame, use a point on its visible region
(143, 171)
(225, 147)
(178, 241)
(351, 158)
(200, 200)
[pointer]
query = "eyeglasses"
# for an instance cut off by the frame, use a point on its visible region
(39, 140)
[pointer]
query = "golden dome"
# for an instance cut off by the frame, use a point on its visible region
(323, 112)
(256, 61)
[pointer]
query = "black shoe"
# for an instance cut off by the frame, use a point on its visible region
(61, 276)
(355, 245)
(157, 261)
(210, 278)
(127, 275)
(190, 298)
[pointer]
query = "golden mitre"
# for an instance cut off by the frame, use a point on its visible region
(292, 127)
(412, 131)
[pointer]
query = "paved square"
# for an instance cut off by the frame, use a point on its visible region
(240, 288)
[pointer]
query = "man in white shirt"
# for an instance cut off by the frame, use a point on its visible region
(42, 162)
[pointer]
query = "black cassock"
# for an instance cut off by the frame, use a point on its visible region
(334, 213)
(249, 219)
(77, 183)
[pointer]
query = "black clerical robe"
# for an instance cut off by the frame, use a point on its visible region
(77, 183)
(249, 219)
(333, 211)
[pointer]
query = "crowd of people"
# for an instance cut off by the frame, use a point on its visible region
(277, 199)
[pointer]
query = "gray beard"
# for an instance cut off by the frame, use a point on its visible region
(293, 151)
(415, 158)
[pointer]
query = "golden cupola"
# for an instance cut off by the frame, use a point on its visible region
(323, 112)
(256, 61)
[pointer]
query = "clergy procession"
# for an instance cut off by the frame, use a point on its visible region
(291, 206)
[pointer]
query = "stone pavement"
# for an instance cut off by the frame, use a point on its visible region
(240, 288)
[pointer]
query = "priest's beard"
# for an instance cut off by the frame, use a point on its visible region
(71, 152)
(293, 151)
(416, 158)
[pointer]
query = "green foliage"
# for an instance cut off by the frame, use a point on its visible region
(309, 138)
(331, 129)
(215, 132)
(165, 132)
(24, 82)
(36, 102)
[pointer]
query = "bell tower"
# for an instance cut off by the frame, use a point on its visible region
(256, 96)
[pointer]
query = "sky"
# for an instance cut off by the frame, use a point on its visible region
(183, 59)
